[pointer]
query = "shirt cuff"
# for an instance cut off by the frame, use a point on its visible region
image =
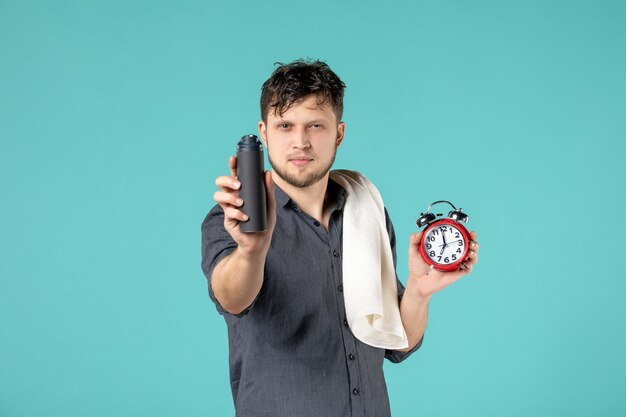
(218, 306)
(397, 356)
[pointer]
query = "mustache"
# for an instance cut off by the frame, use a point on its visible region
(300, 155)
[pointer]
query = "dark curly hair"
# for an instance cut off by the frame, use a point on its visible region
(292, 82)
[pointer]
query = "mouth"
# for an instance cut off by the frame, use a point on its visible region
(300, 161)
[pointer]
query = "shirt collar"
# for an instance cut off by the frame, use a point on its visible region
(282, 199)
(337, 191)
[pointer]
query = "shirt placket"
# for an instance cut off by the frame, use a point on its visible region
(352, 360)
(332, 238)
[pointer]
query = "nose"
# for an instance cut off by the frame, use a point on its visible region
(301, 139)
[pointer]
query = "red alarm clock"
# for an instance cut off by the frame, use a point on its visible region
(445, 242)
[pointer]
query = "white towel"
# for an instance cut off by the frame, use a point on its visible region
(369, 278)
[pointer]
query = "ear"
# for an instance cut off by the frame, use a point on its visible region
(341, 128)
(263, 132)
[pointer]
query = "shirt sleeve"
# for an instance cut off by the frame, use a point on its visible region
(396, 356)
(216, 245)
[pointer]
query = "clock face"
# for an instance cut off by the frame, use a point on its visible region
(444, 244)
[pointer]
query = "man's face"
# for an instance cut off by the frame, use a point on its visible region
(301, 144)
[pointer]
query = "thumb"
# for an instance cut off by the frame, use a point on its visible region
(414, 242)
(269, 188)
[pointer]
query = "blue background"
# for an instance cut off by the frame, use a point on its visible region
(116, 117)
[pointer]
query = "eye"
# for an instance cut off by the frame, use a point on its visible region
(316, 126)
(284, 126)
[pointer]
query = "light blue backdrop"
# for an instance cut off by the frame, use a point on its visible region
(116, 117)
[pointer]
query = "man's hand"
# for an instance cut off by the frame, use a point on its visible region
(425, 283)
(228, 199)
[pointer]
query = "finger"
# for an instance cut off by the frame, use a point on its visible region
(474, 246)
(232, 213)
(466, 267)
(227, 183)
(227, 199)
(232, 164)
(472, 256)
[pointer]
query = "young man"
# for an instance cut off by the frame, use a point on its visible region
(292, 352)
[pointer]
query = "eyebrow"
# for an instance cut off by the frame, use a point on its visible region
(282, 121)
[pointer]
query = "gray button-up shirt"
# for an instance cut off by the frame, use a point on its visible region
(292, 353)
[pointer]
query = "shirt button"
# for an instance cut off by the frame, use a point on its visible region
(355, 391)
(340, 287)
(345, 322)
(351, 357)
(335, 253)
(316, 223)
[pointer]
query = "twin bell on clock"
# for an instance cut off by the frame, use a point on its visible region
(445, 241)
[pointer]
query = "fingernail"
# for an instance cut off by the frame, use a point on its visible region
(239, 201)
(245, 217)
(237, 184)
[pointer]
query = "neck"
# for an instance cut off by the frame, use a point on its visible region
(311, 200)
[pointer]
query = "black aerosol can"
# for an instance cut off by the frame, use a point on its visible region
(251, 174)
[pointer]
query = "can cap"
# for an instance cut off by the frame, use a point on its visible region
(249, 143)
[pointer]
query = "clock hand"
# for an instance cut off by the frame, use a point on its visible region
(454, 241)
(444, 243)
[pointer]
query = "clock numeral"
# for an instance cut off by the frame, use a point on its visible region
(459, 250)
(431, 238)
(443, 228)
(460, 243)
(446, 260)
(454, 256)
(435, 232)
(438, 258)
(431, 253)
(456, 235)
(429, 246)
